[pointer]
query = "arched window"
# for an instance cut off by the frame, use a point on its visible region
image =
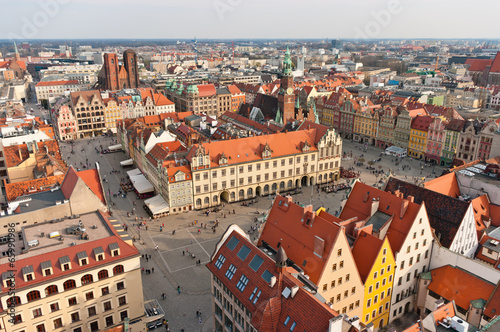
(215, 199)
(87, 279)
(233, 195)
(69, 284)
(266, 188)
(198, 202)
(241, 193)
(13, 301)
(282, 185)
(52, 289)
(275, 186)
(320, 178)
(250, 192)
(103, 274)
(206, 200)
(290, 183)
(118, 269)
(33, 295)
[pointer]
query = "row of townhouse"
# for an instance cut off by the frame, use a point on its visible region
(428, 132)
(92, 113)
(204, 98)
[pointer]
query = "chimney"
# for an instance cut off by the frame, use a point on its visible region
(20, 154)
(411, 198)
(404, 207)
(375, 205)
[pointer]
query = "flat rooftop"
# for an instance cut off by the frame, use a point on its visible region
(95, 227)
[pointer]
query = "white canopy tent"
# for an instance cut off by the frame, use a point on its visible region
(141, 184)
(115, 147)
(157, 205)
(127, 162)
(133, 172)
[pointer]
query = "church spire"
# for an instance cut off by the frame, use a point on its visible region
(278, 116)
(17, 57)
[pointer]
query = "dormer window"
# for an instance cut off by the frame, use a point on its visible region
(114, 249)
(28, 273)
(200, 160)
(99, 254)
(46, 268)
(83, 259)
(65, 263)
(8, 279)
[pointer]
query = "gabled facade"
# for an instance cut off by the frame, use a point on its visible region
(405, 224)
(375, 263)
(418, 136)
(88, 109)
(317, 245)
(452, 133)
(402, 129)
(435, 139)
(65, 124)
(385, 135)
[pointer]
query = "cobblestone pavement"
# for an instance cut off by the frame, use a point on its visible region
(172, 263)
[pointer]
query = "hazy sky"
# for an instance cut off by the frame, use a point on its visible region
(289, 19)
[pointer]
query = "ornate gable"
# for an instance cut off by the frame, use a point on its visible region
(266, 151)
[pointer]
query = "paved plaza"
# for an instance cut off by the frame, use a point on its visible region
(173, 261)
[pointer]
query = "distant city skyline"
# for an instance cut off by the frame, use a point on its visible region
(243, 19)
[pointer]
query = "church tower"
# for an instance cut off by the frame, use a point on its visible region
(286, 97)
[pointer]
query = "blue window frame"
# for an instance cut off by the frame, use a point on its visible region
(220, 261)
(256, 262)
(242, 283)
(231, 271)
(243, 253)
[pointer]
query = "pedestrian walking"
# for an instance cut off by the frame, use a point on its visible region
(183, 253)
(153, 270)
(197, 313)
(150, 255)
(200, 321)
(179, 289)
(156, 247)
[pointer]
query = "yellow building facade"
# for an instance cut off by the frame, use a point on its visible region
(112, 113)
(376, 266)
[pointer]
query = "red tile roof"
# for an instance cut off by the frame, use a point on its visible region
(206, 90)
(492, 308)
(53, 83)
(446, 310)
(271, 309)
(234, 89)
(453, 283)
(16, 189)
(17, 154)
(422, 122)
(359, 205)
(445, 184)
(126, 251)
(287, 225)
(365, 251)
(495, 66)
(91, 179)
(250, 148)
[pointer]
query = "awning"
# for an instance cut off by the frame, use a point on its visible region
(114, 147)
(127, 162)
(157, 205)
(141, 184)
(134, 172)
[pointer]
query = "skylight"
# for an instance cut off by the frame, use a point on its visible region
(242, 283)
(243, 253)
(233, 242)
(256, 263)
(267, 276)
(230, 271)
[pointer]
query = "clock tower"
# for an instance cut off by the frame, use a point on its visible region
(286, 97)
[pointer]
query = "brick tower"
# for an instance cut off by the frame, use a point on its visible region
(111, 70)
(130, 63)
(286, 97)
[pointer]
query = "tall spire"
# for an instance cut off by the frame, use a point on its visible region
(17, 52)
(287, 63)
(278, 116)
